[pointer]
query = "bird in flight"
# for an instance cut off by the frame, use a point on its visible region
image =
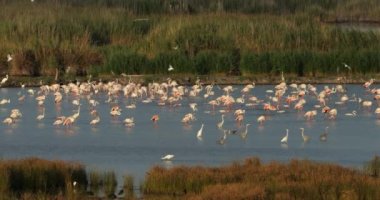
(347, 66)
(170, 68)
(9, 58)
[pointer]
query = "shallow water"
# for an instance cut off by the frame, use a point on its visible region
(110, 145)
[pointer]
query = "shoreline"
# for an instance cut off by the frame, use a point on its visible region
(189, 79)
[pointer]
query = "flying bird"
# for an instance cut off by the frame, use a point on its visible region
(170, 68)
(9, 58)
(347, 66)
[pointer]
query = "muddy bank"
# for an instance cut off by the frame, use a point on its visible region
(17, 81)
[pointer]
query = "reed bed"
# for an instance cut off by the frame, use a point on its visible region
(254, 180)
(41, 177)
(198, 37)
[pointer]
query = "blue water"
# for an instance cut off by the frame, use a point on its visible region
(110, 145)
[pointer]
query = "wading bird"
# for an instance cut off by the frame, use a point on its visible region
(285, 138)
(167, 157)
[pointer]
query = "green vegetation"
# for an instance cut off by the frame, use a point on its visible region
(196, 37)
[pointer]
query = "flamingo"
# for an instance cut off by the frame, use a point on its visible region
(155, 118)
(4, 101)
(368, 83)
(15, 113)
(193, 106)
(367, 104)
(58, 97)
(333, 113)
(310, 114)
(8, 120)
(129, 120)
(59, 120)
(68, 121)
(261, 119)
(377, 111)
(115, 111)
(95, 121)
(21, 98)
(285, 138)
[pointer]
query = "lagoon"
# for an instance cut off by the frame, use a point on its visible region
(111, 145)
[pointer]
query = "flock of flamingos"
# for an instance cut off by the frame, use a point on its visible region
(279, 99)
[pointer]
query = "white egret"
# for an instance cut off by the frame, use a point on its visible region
(220, 124)
(167, 157)
(199, 134)
(352, 114)
(323, 136)
(41, 116)
(285, 139)
(245, 133)
(304, 137)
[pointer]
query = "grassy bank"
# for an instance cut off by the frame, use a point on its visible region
(197, 37)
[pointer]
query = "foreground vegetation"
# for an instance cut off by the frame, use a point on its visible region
(196, 37)
(34, 178)
(254, 180)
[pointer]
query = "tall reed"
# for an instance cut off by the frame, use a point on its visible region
(253, 180)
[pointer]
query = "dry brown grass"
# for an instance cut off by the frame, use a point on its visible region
(253, 180)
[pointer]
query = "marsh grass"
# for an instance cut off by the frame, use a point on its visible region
(109, 183)
(128, 187)
(198, 37)
(253, 180)
(19, 177)
(95, 181)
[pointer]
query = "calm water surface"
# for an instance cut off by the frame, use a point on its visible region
(111, 145)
